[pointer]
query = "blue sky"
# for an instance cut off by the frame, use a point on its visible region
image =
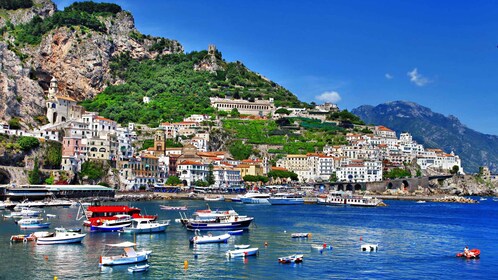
(440, 54)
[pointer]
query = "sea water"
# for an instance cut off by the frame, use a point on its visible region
(416, 241)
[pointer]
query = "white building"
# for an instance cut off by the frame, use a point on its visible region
(192, 171)
(226, 176)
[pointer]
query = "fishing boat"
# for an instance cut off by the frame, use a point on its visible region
(209, 238)
(33, 224)
(138, 268)
(472, 254)
(301, 235)
(214, 198)
(98, 214)
(129, 256)
(28, 221)
(236, 232)
(208, 214)
(61, 236)
(291, 259)
(242, 252)
(26, 212)
(342, 199)
(242, 246)
(255, 198)
(120, 222)
(173, 208)
(286, 199)
(146, 226)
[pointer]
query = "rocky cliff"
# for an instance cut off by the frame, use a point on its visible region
(78, 57)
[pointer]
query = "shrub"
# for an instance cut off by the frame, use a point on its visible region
(28, 143)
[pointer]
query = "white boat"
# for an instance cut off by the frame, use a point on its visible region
(27, 204)
(128, 257)
(138, 268)
(242, 246)
(301, 235)
(291, 259)
(59, 202)
(208, 214)
(51, 216)
(61, 236)
(214, 198)
(27, 212)
(285, 199)
(369, 247)
(421, 201)
(33, 224)
(141, 225)
(242, 252)
(255, 198)
(342, 199)
(174, 208)
(27, 221)
(121, 221)
(209, 238)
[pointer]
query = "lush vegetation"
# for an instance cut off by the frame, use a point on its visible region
(255, 178)
(28, 143)
(239, 150)
(345, 116)
(397, 173)
(53, 155)
(283, 174)
(15, 4)
(93, 170)
(34, 176)
(173, 181)
(176, 90)
(14, 123)
(94, 8)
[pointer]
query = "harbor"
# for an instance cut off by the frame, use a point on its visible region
(401, 230)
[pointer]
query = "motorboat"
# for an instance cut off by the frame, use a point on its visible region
(26, 212)
(301, 235)
(286, 199)
(242, 246)
(23, 238)
(140, 225)
(255, 198)
(291, 259)
(59, 202)
(242, 252)
(138, 268)
(321, 247)
(346, 198)
(33, 224)
(369, 247)
(472, 254)
(209, 238)
(208, 214)
(214, 198)
(236, 232)
(237, 198)
(231, 222)
(129, 256)
(120, 222)
(421, 201)
(173, 208)
(28, 221)
(28, 204)
(61, 236)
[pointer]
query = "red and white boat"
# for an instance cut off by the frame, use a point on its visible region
(100, 214)
(472, 254)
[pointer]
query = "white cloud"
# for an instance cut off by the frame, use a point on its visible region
(388, 76)
(417, 78)
(329, 96)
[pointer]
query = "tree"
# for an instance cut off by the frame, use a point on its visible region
(173, 181)
(255, 178)
(14, 123)
(53, 155)
(239, 150)
(333, 177)
(34, 175)
(283, 174)
(397, 173)
(201, 183)
(210, 176)
(93, 170)
(282, 111)
(234, 113)
(28, 143)
(455, 169)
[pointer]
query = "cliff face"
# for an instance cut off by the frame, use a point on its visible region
(78, 57)
(41, 8)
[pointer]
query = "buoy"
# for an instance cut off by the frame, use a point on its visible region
(100, 260)
(45, 257)
(185, 264)
(361, 238)
(309, 235)
(285, 231)
(266, 244)
(55, 277)
(324, 245)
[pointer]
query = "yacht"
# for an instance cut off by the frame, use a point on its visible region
(286, 199)
(255, 198)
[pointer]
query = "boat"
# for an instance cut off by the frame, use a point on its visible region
(120, 222)
(369, 247)
(236, 232)
(255, 198)
(26, 212)
(242, 252)
(146, 226)
(237, 198)
(291, 259)
(483, 199)
(59, 202)
(421, 201)
(230, 222)
(51, 216)
(33, 224)
(129, 256)
(61, 236)
(28, 221)
(208, 214)
(138, 268)
(214, 198)
(473, 254)
(98, 214)
(28, 204)
(301, 235)
(173, 208)
(321, 247)
(23, 237)
(342, 198)
(286, 199)
(209, 238)
(242, 246)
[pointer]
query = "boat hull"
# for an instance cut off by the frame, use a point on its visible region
(242, 252)
(60, 240)
(109, 228)
(37, 226)
(210, 239)
(118, 260)
(285, 201)
(252, 200)
(146, 230)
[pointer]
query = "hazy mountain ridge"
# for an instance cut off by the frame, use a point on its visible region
(434, 130)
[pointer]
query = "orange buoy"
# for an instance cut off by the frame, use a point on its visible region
(45, 257)
(185, 264)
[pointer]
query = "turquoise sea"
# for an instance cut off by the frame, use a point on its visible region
(416, 241)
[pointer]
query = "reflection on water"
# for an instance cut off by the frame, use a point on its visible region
(405, 232)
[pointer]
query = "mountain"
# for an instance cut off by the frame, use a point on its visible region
(435, 130)
(92, 48)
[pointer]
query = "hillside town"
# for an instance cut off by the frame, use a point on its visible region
(86, 136)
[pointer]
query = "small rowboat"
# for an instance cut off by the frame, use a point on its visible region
(22, 238)
(242, 246)
(291, 259)
(301, 235)
(201, 239)
(472, 254)
(138, 268)
(173, 208)
(236, 232)
(242, 252)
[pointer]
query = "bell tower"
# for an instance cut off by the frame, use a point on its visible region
(53, 89)
(159, 141)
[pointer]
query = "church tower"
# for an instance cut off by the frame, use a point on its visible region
(159, 141)
(53, 89)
